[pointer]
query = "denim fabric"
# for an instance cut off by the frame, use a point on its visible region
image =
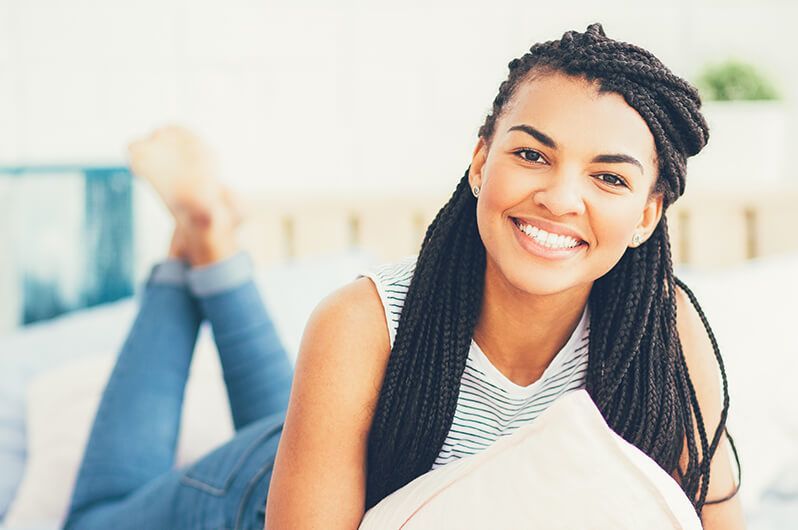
(127, 479)
(256, 368)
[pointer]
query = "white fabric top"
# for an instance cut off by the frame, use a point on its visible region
(489, 405)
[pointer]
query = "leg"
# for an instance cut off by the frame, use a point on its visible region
(227, 489)
(256, 367)
(124, 483)
(135, 430)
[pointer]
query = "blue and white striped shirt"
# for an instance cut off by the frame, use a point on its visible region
(489, 405)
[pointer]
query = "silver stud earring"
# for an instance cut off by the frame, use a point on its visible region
(475, 191)
(637, 239)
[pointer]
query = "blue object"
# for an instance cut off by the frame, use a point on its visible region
(106, 245)
(126, 478)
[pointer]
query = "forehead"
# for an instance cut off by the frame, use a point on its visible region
(579, 119)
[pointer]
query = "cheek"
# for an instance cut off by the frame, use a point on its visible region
(614, 222)
(614, 227)
(501, 193)
(503, 190)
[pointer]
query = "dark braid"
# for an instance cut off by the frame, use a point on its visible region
(637, 374)
(419, 392)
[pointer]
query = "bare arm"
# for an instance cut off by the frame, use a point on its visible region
(319, 474)
(705, 375)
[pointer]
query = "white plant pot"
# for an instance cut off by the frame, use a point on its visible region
(747, 144)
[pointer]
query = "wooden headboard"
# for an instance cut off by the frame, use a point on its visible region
(708, 227)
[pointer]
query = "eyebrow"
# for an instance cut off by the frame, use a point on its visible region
(614, 158)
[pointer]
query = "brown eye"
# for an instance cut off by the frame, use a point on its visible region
(537, 156)
(618, 181)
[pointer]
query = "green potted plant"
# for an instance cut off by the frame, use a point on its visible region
(734, 80)
(746, 116)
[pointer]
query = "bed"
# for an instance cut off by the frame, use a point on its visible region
(45, 414)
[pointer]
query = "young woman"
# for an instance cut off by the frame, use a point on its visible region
(548, 270)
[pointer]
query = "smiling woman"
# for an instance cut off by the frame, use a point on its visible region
(548, 271)
(561, 209)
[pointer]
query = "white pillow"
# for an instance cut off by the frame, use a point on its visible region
(61, 407)
(565, 470)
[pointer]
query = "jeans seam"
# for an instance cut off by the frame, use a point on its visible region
(204, 486)
(214, 490)
(248, 492)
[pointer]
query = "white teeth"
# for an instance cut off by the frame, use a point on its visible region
(547, 239)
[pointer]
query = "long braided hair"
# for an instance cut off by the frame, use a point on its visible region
(637, 374)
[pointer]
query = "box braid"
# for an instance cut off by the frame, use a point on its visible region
(637, 374)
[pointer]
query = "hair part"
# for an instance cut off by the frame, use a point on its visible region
(637, 374)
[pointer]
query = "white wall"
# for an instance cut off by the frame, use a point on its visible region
(306, 94)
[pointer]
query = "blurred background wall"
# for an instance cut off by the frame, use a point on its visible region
(314, 97)
(325, 95)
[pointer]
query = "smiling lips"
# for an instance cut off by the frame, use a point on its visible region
(536, 242)
(549, 227)
(547, 239)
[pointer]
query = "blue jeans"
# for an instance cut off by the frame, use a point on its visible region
(127, 478)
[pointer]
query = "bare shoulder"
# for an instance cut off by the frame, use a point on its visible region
(345, 345)
(320, 469)
(347, 333)
(704, 371)
(355, 307)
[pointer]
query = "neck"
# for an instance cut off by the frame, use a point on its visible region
(520, 332)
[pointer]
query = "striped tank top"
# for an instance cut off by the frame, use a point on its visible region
(489, 405)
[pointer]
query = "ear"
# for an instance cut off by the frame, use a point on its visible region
(478, 158)
(652, 212)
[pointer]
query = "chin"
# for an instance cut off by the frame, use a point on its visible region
(534, 279)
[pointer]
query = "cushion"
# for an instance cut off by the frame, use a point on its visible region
(36, 349)
(567, 469)
(60, 414)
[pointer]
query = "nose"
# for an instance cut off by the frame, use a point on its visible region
(561, 195)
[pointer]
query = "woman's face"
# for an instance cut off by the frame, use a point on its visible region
(564, 159)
